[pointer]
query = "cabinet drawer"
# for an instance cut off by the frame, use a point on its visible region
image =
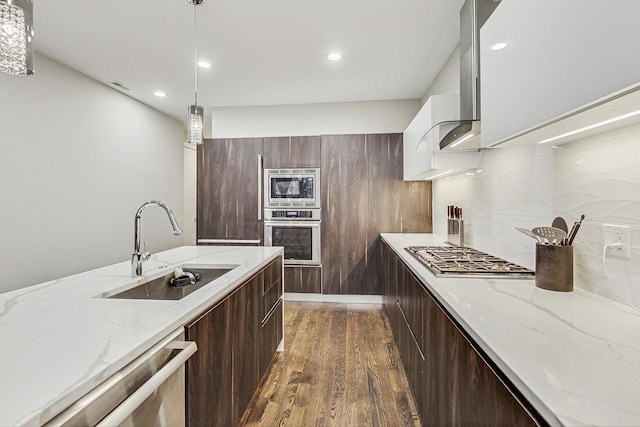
(271, 297)
(272, 273)
(270, 337)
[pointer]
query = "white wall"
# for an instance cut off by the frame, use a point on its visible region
(529, 186)
(314, 119)
(77, 159)
(447, 82)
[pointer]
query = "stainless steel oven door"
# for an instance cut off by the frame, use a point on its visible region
(300, 239)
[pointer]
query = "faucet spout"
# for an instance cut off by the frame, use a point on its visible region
(139, 257)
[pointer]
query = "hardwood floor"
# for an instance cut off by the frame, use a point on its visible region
(340, 367)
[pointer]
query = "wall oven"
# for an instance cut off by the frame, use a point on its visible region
(298, 231)
(284, 188)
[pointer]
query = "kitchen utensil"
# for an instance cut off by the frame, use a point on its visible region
(559, 222)
(574, 230)
(529, 233)
(550, 234)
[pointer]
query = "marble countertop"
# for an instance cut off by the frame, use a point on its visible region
(59, 339)
(574, 355)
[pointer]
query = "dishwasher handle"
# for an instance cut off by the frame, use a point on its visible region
(126, 408)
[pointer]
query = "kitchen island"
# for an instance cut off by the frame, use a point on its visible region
(62, 338)
(574, 357)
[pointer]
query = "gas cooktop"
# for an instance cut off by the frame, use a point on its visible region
(457, 261)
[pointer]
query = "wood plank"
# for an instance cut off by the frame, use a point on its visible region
(340, 368)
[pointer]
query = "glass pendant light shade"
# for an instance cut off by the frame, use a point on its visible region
(16, 37)
(195, 120)
(195, 116)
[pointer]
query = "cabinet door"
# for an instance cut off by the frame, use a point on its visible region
(292, 152)
(559, 56)
(247, 319)
(411, 301)
(344, 214)
(228, 189)
(363, 195)
(389, 265)
(209, 379)
(303, 279)
(461, 388)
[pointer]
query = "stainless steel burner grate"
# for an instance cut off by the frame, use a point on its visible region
(455, 261)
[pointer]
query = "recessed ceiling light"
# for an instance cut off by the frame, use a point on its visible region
(159, 94)
(498, 46)
(204, 64)
(335, 56)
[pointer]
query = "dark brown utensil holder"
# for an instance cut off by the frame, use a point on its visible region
(554, 267)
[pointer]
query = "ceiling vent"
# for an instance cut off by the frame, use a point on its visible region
(120, 85)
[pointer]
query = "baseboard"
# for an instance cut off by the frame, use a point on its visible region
(349, 299)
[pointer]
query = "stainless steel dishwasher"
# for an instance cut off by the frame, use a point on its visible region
(150, 391)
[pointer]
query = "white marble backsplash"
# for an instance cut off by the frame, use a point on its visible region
(526, 187)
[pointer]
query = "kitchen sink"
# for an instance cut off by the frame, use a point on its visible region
(161, 289)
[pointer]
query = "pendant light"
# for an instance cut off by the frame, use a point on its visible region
(16, 36)
(195, 112)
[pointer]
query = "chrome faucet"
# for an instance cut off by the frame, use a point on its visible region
(139, 257)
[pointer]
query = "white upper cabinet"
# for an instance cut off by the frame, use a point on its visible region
(417, 152)
(559, 56)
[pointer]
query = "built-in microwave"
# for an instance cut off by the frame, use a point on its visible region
(292, 188)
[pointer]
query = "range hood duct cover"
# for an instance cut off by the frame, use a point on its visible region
(473, 15)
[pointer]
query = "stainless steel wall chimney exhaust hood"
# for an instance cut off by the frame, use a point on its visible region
(466, 135)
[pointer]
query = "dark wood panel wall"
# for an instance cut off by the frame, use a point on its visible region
(292, 152)
(227, 193)
(362, 192)
(345, 214)
(363, 196)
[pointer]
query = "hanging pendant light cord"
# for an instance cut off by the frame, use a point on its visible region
(195, 50)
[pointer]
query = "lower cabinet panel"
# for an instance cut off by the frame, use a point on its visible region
(270, 337)
(208, 372)
(451, 382)
(303, 279)
(235, 348)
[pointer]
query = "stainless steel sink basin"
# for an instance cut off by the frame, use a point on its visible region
(161, 289)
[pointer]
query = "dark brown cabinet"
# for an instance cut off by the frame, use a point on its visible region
(235, 346)
(301, 279)
(208, 379)
(292, 152)
(451, 381)
(227, 189)
(363, 195)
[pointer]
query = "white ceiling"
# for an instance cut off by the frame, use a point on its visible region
(264, 52)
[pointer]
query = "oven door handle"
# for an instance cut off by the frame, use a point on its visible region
(126, 408)
(301, 223)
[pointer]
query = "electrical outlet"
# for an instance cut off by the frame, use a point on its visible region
(615, 233)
